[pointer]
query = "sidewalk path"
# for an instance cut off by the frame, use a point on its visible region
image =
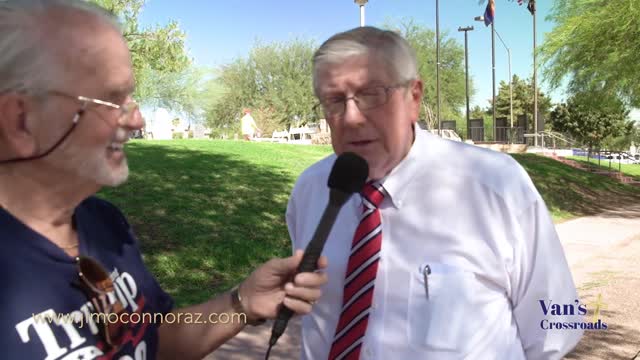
(585, 241)
(591, 236)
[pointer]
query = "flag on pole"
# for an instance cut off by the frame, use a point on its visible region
(489, 13)
(532, 6)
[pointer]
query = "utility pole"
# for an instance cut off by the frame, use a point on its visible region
(438, 68)
(466, 73)
(535, 84)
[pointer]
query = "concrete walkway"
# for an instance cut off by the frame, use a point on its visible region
(583, 239)
(588, 237)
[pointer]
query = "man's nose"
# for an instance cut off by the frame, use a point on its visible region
(352, 115)
(133, 121)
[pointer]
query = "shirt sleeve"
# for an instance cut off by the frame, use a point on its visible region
(541, 278)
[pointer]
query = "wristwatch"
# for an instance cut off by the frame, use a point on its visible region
(236, 303)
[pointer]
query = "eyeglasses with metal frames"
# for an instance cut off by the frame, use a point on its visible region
(365, 99)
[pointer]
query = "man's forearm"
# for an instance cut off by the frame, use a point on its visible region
(183, 340)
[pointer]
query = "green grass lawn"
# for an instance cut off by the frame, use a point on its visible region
(208, 212)
(632, 170)
(569, 192)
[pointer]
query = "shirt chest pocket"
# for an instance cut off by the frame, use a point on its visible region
(442, 308)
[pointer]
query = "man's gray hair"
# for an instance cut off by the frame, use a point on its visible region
(27, 64)
(392, 49)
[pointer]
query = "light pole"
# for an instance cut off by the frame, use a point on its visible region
(493, 71)
(466, 73)
(438, 68)
(361, 4)
(510, 82)
(532, 8)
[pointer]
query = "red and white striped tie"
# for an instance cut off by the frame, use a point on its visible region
(360, 278)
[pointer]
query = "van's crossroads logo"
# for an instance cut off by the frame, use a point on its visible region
(549, 308)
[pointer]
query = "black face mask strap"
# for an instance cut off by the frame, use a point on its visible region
(75, 120)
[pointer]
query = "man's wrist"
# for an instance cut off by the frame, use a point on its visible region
(240, 308)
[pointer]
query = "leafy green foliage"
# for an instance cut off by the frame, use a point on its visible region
(162, 68)
(522, 100)
(624, 141)
(594, 46)
(452, 79)
(274, 81)
(591, 122)
(476, 112)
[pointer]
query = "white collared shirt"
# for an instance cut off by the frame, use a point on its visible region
(474, 216)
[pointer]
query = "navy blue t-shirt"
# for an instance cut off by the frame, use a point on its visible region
(37, 278)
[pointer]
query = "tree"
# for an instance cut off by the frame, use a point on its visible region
(522, 100)
(274, 81)
(594, 47)
(452, 77)
(476, 112)
(623, 142)
(592, 122)
(188, 92)
(160, 60)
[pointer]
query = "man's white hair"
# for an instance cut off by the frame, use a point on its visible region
(395, 53)
(27, 64)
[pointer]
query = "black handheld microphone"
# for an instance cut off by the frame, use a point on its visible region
(348, 175)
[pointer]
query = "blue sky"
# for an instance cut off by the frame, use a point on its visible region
(219, 31)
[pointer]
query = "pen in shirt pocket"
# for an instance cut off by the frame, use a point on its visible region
(426, 271)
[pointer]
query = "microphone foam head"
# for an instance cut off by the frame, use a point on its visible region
(349, 173)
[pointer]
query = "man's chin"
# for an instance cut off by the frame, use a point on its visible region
(117, 182)
(114, 177)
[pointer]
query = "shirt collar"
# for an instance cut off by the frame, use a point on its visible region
(396, 182)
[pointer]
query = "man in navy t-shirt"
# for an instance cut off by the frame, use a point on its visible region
(39, 279)
(65, 113)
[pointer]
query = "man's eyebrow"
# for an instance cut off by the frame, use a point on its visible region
(373, 83)
(120, 91)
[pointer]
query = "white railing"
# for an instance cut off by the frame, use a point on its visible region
(550, 135)
(446, 134)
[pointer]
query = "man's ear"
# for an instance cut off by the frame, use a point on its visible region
(16, 139)
(415, 98)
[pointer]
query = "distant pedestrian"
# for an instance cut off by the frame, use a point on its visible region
(248, 125)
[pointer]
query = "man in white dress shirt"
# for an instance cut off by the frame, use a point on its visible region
(466, 262)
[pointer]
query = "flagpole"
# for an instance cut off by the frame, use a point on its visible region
(535, 84)
(438, 68)
(493, 69)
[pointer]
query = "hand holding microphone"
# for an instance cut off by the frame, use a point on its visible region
(348, 176)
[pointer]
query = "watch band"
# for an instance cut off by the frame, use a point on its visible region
(236, 303)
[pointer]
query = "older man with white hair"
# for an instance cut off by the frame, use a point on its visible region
(65, 113)
(449, 252)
